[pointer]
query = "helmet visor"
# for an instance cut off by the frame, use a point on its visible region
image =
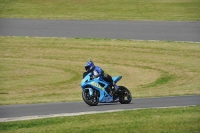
(87, 68)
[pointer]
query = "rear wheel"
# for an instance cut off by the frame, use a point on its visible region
(125, 96)
(90, 100)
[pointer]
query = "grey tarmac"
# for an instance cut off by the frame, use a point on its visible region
(32, 111)
(136, 30)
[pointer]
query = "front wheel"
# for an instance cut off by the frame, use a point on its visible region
(90, 100)
(125, 96)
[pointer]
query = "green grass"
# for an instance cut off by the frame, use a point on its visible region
(170, 120)
(35, 70)
(102, 9)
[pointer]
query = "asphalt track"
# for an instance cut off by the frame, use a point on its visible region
(136, 30)
(33, 111)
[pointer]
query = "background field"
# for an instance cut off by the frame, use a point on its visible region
(102, 9)
(50, 69)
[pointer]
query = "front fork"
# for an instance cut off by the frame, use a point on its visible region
(91, 92)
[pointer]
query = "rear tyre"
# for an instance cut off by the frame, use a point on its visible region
(125, 96)
(90, 100)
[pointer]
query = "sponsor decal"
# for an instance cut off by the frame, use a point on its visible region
(97, 85)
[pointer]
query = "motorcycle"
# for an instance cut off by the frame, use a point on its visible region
(95, 90)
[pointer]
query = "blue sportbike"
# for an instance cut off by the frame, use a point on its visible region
(95, 90)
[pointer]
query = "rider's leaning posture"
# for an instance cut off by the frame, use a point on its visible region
(98, 72)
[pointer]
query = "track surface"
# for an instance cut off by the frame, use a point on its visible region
(137, 30)
(10, 112)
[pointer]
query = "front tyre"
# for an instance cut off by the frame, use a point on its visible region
(90, 100)
(125, 96)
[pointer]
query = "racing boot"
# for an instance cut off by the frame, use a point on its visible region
(109, 90)
(114, 88)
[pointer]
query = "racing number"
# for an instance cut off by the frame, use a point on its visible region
(97, 85)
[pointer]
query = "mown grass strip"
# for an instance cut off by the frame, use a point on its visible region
(173, 120)
(160, 81)
(102, 10)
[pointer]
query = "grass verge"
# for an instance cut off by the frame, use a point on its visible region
(34, 70)
(102, 10)
(173, 120)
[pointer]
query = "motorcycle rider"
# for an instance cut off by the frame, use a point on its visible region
(98, 72)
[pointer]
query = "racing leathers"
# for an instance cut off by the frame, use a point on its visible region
(98, 72)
